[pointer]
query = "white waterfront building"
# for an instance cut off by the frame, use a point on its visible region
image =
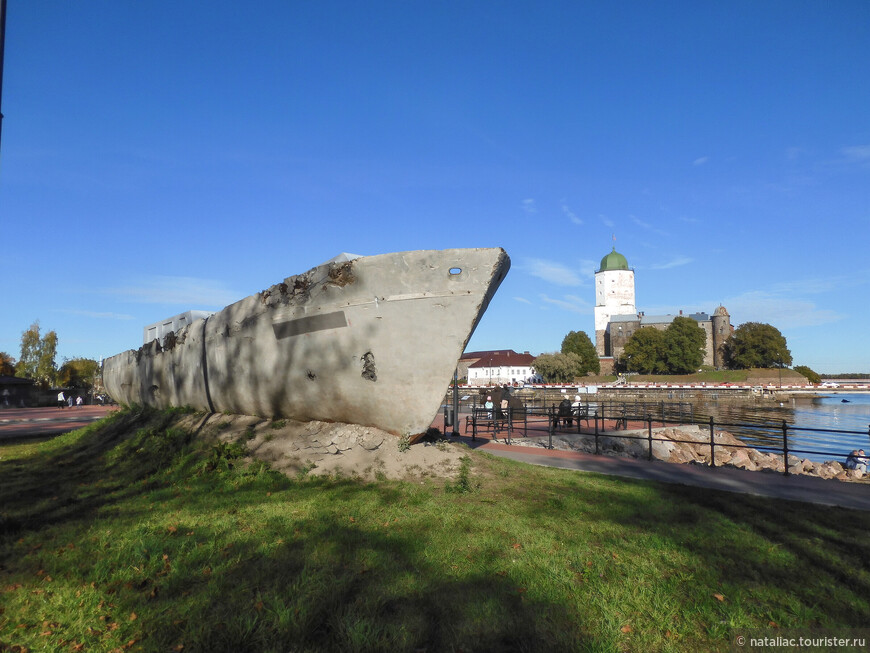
(499, 367)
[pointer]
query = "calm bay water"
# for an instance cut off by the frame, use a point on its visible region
(809, 421)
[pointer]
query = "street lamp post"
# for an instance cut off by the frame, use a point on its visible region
(2, 48)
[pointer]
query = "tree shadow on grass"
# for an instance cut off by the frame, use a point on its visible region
(73, 482)
(319, 581)
(828, 547)
(818, 556)
(322, 592)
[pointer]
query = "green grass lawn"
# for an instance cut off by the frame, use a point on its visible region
(134, 535)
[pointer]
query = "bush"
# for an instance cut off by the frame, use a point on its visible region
(808, 373)
(223, 456)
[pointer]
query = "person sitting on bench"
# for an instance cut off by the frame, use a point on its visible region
(564, 413)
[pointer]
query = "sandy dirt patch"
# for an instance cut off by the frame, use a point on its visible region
(322, 448)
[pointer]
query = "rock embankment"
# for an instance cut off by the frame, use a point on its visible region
(690, 444)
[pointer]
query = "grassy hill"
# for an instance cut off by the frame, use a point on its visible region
(134, 534)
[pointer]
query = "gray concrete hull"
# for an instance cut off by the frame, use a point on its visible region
(371, 341)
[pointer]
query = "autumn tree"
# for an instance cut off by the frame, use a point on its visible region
(37, 356)
(645, 352)
(559, 368)
(577, 342)
(78, 373)
(755, 344)
(684, 346)
(7, 364)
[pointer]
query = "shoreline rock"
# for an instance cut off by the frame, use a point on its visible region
(690, 444)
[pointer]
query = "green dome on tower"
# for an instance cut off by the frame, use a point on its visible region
(613, 261)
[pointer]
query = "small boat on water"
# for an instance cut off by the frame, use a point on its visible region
(370, 340)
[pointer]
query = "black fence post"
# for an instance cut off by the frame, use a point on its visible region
(785, 446)
(552, 428)
(510, 423)
(474, 422)
(649, 435)
(712, 444)
(597, 451)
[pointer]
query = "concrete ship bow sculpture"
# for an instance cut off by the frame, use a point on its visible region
(364, 340)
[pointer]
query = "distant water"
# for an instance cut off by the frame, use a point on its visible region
(810, 422)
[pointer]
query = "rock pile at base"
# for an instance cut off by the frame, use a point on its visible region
(690, 444)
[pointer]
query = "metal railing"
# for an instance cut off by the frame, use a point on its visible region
(596, 419)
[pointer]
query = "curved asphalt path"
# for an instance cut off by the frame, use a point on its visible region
(32, 423)
(808, 489)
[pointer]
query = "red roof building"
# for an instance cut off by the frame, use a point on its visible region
(498, 367)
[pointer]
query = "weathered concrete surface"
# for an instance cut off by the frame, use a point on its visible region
(371, 341)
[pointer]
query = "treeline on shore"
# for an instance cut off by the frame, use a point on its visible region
(846, 375)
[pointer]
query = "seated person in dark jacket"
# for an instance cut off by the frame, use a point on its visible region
(564, 413)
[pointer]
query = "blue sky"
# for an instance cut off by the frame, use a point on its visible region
(163, 156)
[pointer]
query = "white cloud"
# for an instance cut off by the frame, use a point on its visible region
(552, 272)
(647, 226)
(811, 286)
(781, 311)
(640, 223)
(571, 303)
(856, 153)
(673, 263)
(522, 300)
(190, 292)
(588, 268)
(571, 216)
(787, 304)
(530, 207)
(700, 161)
(96, 314)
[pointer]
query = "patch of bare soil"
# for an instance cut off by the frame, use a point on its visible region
(321, 448)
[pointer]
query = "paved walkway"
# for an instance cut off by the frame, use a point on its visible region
(29, 423)
(808, 489)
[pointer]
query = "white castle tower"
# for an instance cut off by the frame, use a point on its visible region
(614, 295)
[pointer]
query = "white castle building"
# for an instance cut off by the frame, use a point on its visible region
(614, 295)
(617, 318)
